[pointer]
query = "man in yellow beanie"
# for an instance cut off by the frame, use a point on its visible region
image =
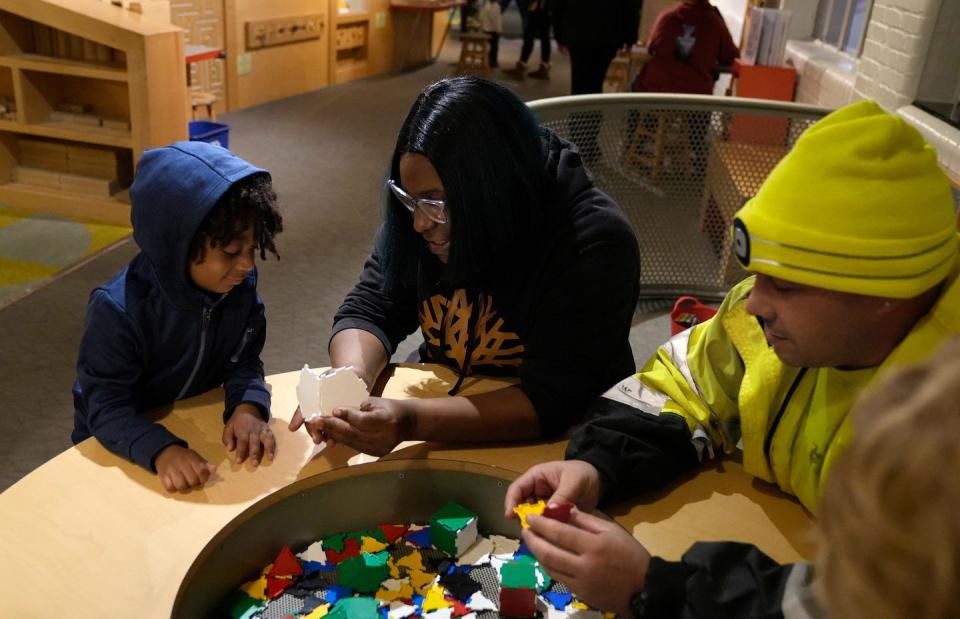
(853, 244)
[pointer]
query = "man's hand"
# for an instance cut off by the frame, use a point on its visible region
(180, 468)
(313, 428)
(598, 560)
(560, 481)
(248, 435)
(375, 428)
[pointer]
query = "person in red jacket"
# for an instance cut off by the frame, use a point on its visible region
(688, 43)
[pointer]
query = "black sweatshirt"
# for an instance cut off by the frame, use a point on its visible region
(555, 313)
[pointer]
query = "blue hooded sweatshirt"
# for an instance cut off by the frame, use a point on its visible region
(151, 336)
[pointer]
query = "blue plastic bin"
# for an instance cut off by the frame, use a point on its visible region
(210, 132)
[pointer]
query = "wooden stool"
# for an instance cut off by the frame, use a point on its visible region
(474, 52)
(667, 135)
(202, 99)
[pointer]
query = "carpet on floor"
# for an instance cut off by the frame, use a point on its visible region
(36, 248)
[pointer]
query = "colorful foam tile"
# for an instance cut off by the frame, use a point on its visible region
(518, 574)
(557, 599)
(558, 511)
(526, 509)
(256, 589)
(400, 610)
(478, 553)
(458, 583)
(335, 593)
(435, 599)
(276, 586)
(314, 552)
(503, 545)
(395, 589)
(365, 572)
(453, 529)
(412, 562)
(286, 564)
(419, 538)
(320, 611)
(334, 542)
(241, 606)
(349, 548)
(421, 580)
(371, 544)
(393, 532)
(355, 608)
(518, 602)
(543, 579)
(478, 602)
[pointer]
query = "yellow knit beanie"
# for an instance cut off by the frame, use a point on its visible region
(859, 205)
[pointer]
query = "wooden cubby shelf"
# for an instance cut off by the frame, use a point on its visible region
(79, 109)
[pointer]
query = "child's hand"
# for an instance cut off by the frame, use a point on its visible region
(180, 468)
(249, 435)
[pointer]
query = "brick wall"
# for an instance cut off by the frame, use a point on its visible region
(895, 49)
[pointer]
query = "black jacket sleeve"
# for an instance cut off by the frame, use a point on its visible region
(579, 342)
(635, 451)
(728, 580)
(391, 315)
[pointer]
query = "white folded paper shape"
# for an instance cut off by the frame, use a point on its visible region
(321, 392)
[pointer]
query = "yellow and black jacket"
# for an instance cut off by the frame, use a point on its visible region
(719, 387)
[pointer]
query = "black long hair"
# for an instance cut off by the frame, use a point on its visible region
(488, 150)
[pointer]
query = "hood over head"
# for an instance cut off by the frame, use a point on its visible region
(174, 189)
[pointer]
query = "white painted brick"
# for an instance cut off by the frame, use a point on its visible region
(893, 18)
(878, 33)
(915, 24)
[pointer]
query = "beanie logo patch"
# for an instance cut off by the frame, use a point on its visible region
(741, 242)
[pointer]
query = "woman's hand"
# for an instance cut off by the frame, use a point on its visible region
(560, 481)
(180, 468)
(248, 435)
(375, 428)
(597, 559)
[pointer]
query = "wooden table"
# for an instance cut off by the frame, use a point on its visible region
(418, 41)
(91, 535)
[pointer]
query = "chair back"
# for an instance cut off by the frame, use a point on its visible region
(679, 166)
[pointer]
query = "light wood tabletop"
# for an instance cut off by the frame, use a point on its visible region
(92, 535)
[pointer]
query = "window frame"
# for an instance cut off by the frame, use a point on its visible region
(826, 6)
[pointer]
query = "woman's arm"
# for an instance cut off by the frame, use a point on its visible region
(360, 349)
(501, 415)
(379, 424)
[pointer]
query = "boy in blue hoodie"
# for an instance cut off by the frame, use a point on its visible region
(184, 316)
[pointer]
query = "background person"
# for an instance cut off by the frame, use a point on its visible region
(592, 31)
(498, 246)
(688, 44)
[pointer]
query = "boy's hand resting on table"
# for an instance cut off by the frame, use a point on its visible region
(375, 427)
(597, 559)
(180, 468)
(248, 435)
(560, 481)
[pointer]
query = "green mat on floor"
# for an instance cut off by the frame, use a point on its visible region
(36, 247)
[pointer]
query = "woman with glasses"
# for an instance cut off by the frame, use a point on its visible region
(496, 245)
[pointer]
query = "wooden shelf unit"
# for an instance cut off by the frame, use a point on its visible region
(99, 56)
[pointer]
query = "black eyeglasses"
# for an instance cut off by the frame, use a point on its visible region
(436, 210)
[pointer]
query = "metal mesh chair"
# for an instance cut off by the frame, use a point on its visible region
(679, 166)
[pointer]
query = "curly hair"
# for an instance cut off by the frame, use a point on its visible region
(250, 201)
(889, 529)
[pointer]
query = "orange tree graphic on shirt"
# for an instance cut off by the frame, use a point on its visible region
(492, 345)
